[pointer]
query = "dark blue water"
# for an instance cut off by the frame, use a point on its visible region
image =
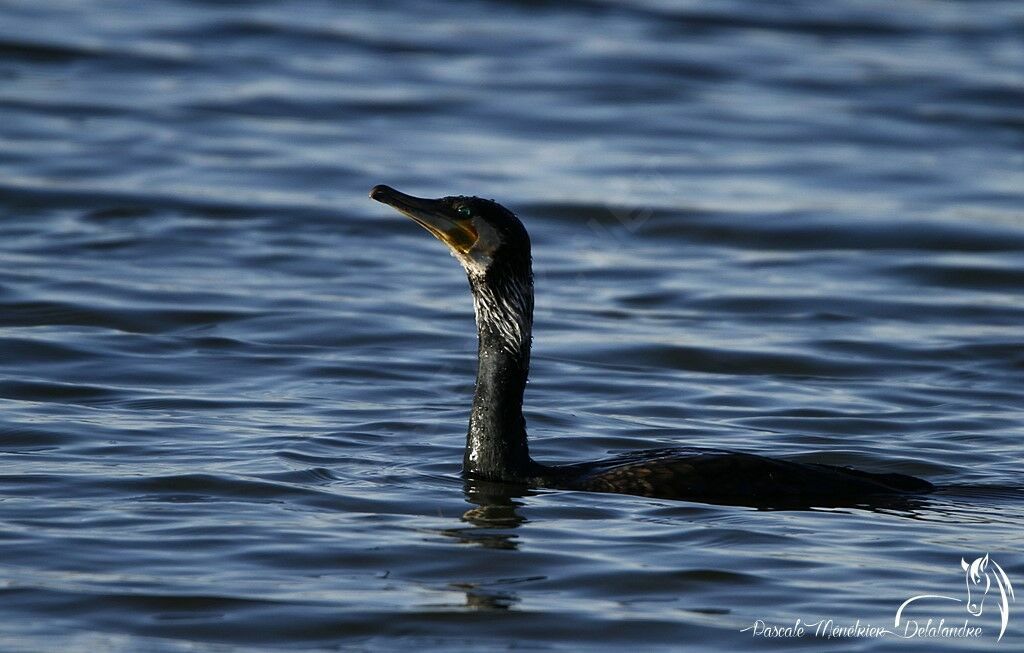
(233, 390)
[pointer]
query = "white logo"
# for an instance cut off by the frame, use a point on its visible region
(980, 575)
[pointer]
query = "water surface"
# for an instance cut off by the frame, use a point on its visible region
(233, 390)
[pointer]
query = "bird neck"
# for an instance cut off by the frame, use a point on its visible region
(496, 447)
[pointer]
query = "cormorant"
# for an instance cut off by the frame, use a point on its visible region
(494, 248)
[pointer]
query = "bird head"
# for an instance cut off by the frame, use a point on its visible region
(480, 233)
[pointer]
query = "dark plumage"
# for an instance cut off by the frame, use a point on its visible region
(494, 248)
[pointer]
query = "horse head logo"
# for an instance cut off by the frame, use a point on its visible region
(980, 575)
(977, 571)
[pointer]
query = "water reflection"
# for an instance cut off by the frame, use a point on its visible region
(495, 514)
(479, 597)
(491, 524)
(496, 503)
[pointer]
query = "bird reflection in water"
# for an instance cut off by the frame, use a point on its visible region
(491, 524)
(493, 517)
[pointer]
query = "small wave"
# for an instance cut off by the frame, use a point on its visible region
(133, 320)
(788, 232)
(751, 362)
(963, 276)
(48, 391)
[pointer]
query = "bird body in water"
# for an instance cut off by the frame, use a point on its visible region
(494, 248)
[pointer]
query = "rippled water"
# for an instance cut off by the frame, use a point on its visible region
(233, 391)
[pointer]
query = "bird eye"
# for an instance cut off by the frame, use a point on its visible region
(465, 211)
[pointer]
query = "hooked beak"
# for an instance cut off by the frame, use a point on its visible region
(436, 216)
